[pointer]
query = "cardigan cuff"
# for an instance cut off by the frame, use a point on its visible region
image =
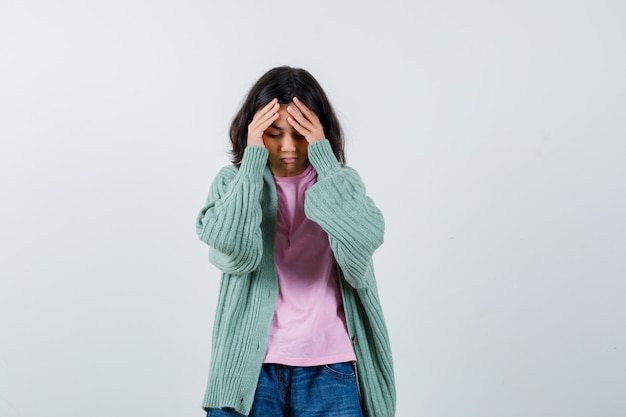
(254, 160)
(322, 157)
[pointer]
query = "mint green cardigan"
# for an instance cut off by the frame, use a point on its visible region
(238, 223)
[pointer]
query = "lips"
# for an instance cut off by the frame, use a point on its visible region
(289, 160)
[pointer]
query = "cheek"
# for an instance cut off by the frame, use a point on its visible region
(271, 148)
(269, 143)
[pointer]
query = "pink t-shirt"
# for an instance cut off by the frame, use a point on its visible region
(308, 328)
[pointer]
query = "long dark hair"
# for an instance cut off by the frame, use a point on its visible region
(285, 83)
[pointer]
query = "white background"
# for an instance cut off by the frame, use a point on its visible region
(491, 134)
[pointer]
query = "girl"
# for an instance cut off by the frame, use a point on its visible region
(299, 330)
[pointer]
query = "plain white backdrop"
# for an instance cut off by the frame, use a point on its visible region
(491, 134)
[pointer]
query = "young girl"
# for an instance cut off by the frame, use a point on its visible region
(299, 330)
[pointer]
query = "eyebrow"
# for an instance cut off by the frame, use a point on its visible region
(276, 127)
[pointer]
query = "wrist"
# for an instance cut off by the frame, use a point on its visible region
(254, 159)
(322, 157)
(256, 142)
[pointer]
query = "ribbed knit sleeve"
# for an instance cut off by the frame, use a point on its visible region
(230, 220)
(339, 204)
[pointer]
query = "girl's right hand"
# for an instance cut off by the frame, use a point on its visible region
(263, 118)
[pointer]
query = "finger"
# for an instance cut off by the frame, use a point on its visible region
(267, 122)
(298, 127)
(269, 113)
(272, 105)
(262, 119)
(266, 116)
(297, 110)
(264, 112)
(308, 113)
(267, 109)
(299, 117)
(269, 105)
(305, 121)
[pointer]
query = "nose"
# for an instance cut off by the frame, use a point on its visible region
(288, 144)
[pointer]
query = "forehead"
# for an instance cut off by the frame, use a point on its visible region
(282, 122)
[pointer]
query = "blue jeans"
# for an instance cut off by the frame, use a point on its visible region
(316, 391)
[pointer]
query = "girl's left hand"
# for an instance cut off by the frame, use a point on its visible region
(305, 121)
